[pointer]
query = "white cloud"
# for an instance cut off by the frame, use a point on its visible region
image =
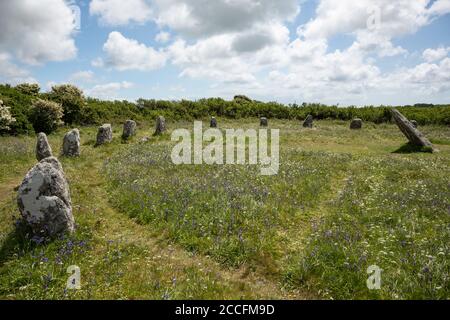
(37, 31)
(119, 12)
(195, 18)
(162, 37)
(440, 7)
(431, 55)
(82, 76)
(11, 73)
(128, 54)
(347, 16)
(108, 91)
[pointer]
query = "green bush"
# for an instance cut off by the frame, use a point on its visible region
(20, 105)
(71, 99)
(29, 88)
(46, 116)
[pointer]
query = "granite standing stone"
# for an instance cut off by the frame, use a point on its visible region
(104, 134)
(356, 124)
(44, 199)
(71, 143)
(263, 122)
(213, 123)
(160, 125)
(308, 123)
(129, 129)
(43, 148)
(414, 136)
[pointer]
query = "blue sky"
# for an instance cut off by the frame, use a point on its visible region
(346, 52)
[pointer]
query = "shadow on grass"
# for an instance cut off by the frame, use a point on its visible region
(411, 148)
(16, 242)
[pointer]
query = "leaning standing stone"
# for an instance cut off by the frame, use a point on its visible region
(129, 129)
(43, 148)
(160, 125)
(356, 124)
(44, 199)
(263, 122)
(213, 123)
(308, 123)
(104, 134)
(414, 136)
(414, 123)
(71, 143)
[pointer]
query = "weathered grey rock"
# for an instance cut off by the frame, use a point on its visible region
(71, 143)
(104, 134)
(129, 129)
(356, 124)
(43, 148)
(44, 199)
(414, 123)
(263, 122)
(213, 123)
(414, 136)
(308, 123)
(160, 125)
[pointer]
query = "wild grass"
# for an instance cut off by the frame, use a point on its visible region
(146, 229)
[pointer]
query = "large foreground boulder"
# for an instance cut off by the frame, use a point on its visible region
(44, 199)
(263, 122)
(43, 148)
(309, 121)
(104, 134)
(160, 125)
(414, 136)
(356, 124)
(71, 143)
(129, 129)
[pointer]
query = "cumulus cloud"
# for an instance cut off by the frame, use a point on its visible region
(37, 31)
(440, 7)
(347, 16)
(119, 12)
(128, 54)
(431, 55)
(162, 37)
(11, 73)
(82, 76)
(108, 91)
(203, 18)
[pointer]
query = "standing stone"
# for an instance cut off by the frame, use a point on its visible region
(213, 123)
(43, 148)
(160, 125)
(414, 123)
(263, 122)
(104, 134)
(129, 129)
(71, 143)
(414, 136)
(308, 123)
(44, 199)
(356, 124)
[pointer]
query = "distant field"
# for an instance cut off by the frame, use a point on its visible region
(343, 200)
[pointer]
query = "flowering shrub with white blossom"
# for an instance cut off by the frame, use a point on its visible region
(6, 119)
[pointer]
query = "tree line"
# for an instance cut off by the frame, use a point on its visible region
(34, 111)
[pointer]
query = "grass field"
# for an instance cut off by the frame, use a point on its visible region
(146, 229)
